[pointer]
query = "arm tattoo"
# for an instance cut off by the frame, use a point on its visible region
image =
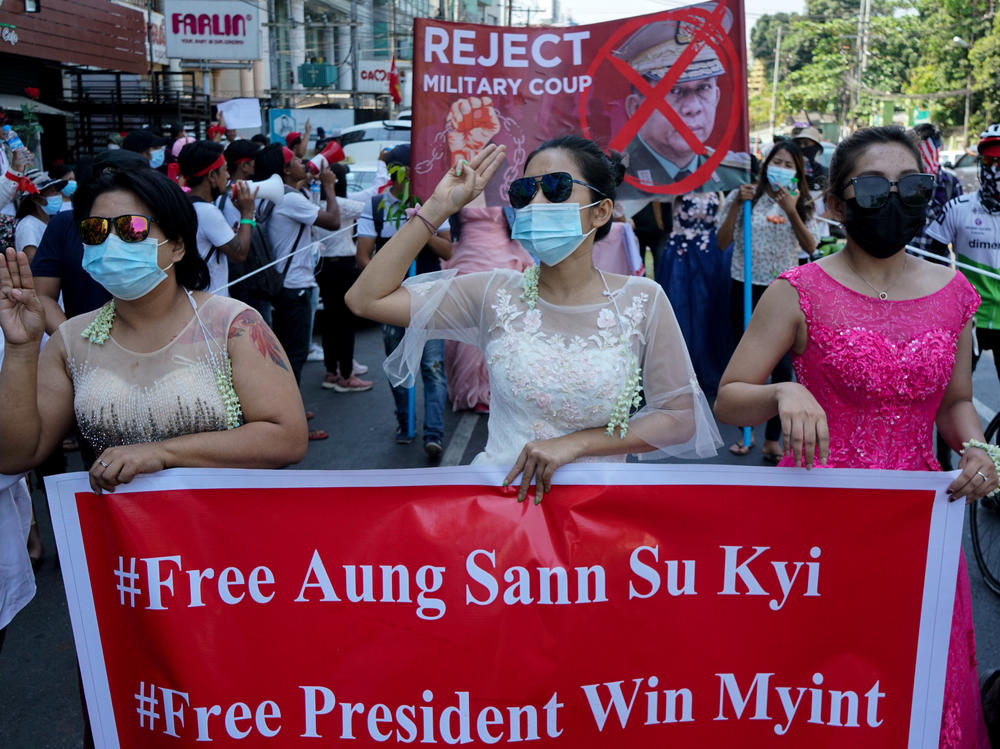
(262, 337)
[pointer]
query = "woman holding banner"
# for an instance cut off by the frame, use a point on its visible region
(568, 347)
(781, 226)
(163, 375)
(882, 347)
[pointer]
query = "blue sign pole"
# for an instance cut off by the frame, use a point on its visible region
(747, 298)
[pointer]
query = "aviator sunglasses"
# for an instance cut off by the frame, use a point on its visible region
(872, 191)
(556, 187)
(129, 227)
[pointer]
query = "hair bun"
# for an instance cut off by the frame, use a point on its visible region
(618, 163)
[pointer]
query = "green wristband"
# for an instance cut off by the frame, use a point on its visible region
(251, 221)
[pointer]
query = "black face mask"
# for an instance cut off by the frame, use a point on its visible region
(811, 152)
(882, 232)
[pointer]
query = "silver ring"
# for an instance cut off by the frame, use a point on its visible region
(983, 475)
(107, 466)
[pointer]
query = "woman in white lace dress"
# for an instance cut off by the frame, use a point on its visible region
(571, 351)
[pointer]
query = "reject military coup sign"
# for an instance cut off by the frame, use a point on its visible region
(666, 89)
(637, 606)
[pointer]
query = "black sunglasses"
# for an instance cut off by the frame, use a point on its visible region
(872, 191)
(556, 187)
(129, 227)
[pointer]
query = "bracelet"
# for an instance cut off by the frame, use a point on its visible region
(427, 223)
(251, 221)
(992, 450)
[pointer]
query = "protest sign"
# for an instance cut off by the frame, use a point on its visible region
(637, 606)
(667, 89)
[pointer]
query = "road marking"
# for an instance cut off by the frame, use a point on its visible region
(460, 440)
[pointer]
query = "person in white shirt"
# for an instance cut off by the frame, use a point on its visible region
(34, 210)
(289, 230)
(207, 176)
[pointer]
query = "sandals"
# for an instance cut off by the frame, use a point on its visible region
(741, 450)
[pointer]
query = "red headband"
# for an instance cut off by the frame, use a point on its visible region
(219, 162)
(288, 153)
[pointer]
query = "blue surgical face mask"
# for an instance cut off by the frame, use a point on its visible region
(53, 205)
(550, 231)
(156, 158)
(69, 189)
(780, 176)
(128, 270)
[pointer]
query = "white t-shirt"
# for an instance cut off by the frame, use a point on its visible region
(17, 581)
(340, 242)
(283, 227)
(214, 231)
(28, 233)
(974, 234)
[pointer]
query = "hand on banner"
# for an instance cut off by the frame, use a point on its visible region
(119, 465)
(978, 477)
(539, 460)
(467, 179)
(471, 124)
(804, 431)
(22, 318)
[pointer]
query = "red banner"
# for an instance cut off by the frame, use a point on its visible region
(667, 89)
(637, 606)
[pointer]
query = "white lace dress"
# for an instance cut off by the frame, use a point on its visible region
(555, 369)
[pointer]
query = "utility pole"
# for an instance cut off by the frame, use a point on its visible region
(272, 51)
(355, 73)
(861, 63)
(774, 83)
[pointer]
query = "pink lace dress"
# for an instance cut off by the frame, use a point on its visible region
(879, 369)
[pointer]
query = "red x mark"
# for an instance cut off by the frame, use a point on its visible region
(655, 95)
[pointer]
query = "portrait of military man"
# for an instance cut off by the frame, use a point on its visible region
(659, 154)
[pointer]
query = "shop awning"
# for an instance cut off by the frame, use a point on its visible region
(13, 102)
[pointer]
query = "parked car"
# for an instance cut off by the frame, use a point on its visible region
(365, 176)
(967, 171)
(363, 143)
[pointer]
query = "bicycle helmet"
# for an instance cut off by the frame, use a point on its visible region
(989, 140)
(989, 177)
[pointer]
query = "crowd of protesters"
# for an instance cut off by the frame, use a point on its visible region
(179, 279)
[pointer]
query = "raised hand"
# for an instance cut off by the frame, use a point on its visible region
(472, 123)
(243, 200)
(467, 179)
(22, 318)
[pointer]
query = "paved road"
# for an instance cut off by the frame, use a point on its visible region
(39, 698)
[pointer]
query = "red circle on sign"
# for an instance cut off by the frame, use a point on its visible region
(726, 51)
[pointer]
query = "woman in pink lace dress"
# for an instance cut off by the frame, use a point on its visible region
(483, 244)
(881, 344)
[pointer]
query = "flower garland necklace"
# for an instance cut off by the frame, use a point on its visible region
(99, 330)
(630, 396)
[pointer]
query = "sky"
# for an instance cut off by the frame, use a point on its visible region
(595, 11)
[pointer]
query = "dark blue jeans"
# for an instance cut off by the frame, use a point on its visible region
(435, 385)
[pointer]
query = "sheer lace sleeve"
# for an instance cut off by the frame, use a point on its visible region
(442, 305)
(676, 418)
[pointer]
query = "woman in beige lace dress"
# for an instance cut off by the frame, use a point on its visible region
(164, 375)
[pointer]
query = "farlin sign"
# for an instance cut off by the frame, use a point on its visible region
(228, 31)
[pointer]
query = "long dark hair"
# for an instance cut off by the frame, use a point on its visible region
(851, 149)
(167, 203)
(604, 172)
(804, 205)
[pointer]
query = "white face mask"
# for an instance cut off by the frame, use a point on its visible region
(550, 231)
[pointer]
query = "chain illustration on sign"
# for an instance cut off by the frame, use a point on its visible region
(470, 125)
